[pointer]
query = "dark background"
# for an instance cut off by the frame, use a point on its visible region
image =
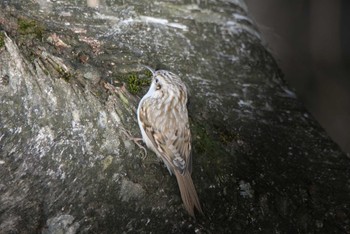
(310, 40)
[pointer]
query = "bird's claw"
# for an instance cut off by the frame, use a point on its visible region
(136, 141)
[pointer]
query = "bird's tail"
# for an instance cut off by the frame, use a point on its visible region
(188, 192)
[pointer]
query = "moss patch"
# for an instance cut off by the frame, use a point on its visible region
(26, 26)
(2, 39)
(148, 73)
(64, 74)
(135, 82)
(205, 144)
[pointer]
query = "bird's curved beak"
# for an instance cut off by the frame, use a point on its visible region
(150, 69)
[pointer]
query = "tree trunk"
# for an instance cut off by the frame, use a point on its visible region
(71, 77)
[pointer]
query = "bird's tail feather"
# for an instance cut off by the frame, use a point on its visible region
(188, 192)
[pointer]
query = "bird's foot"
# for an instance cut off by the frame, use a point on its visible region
(136, 140)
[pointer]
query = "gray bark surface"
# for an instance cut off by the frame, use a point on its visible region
(68, 163)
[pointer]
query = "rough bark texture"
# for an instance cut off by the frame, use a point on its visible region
(68, 163)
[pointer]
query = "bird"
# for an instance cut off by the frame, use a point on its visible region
(163, 120)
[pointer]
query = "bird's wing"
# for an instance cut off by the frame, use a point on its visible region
(171, 141)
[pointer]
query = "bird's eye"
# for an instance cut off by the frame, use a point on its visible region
(158, 86)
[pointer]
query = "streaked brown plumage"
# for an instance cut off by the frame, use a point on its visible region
(163, 120)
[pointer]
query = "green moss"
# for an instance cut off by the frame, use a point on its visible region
(2, 39)
(208, 151)
(203, 143)
(26, 26)
(135, 83)
(148, 73)
(66, 76)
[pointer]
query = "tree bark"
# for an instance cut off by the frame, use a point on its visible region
(71, 78)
